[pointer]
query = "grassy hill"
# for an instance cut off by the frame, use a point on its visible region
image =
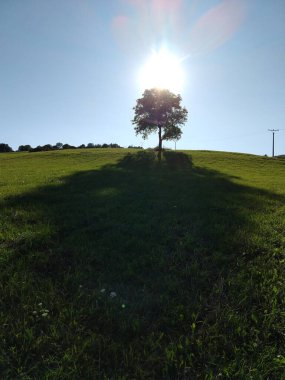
(112, 267)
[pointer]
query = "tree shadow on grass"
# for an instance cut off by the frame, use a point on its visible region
(162, 240)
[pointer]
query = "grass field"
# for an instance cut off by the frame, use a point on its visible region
(114, 267)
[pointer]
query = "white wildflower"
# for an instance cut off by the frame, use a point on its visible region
(102, 290)
(113, 294)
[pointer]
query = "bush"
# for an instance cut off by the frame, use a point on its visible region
(142, 159)
(177, 159)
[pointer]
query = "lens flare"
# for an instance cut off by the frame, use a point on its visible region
(162, 70)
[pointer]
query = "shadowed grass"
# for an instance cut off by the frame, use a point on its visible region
(194, 255)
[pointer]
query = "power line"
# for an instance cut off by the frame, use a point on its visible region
(273, 134)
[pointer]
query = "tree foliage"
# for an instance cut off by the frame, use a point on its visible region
(24, 148)
(4, 148)
(159, 110)
(58, 145)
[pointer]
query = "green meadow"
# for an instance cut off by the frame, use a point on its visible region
(113, 266)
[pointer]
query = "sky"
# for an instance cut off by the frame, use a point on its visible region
(70, 70)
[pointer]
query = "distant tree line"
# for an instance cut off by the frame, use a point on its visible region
(4, 148)
(134, 147)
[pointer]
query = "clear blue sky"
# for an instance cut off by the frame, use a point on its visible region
(69, 70)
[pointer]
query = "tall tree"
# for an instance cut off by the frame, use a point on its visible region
(159, 110)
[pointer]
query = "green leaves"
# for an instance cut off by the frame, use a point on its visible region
(159, 109)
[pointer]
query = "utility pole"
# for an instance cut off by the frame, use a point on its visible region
(273, 133)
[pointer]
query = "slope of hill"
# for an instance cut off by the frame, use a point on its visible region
(113, 267)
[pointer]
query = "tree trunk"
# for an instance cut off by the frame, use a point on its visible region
(159, 143)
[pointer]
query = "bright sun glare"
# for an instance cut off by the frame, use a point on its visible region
(162, 70)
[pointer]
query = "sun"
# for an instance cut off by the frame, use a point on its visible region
(162, 70)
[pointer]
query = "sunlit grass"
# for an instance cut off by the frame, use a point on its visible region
(119, 268)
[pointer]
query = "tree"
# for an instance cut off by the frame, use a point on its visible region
(134, 147)
(58, 145)
(38, 148)
(114, 145)
(159, 110)
(24, 148)
(47, 147)
(67, 146)
(4, 148)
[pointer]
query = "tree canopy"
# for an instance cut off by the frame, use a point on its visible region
(5, 148)
(159, 110)
(24, 148)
